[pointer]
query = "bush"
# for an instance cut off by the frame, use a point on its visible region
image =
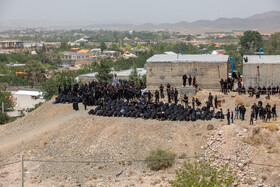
(204, 173)
(160, 159)
(4, 118)
(34, 108)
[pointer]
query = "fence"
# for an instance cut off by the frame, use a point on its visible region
(139, 163)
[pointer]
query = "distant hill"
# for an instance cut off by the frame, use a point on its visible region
(266, 22)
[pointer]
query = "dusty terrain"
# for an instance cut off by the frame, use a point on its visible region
(70, 148)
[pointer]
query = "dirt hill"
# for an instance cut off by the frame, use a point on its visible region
(73, 148)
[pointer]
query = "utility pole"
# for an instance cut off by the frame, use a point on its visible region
(22, 170)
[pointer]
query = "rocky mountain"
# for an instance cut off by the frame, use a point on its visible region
(266, 22)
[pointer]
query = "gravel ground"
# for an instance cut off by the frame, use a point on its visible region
(113, 148)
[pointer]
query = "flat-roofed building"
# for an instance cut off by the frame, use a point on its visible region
(262, 71)
(169, 68)
(13, 44)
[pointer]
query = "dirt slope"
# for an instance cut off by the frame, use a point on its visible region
(116, 145)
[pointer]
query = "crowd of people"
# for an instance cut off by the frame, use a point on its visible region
(127, 99)
(90, 94)
(152, 110)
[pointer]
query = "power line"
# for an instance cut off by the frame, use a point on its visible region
(133, 161)
(9, 163)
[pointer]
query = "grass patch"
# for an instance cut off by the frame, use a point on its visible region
(255, 141)
(270, 126)
(160, 159)
(239, 101)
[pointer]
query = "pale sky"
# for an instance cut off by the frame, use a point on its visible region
(132, 11)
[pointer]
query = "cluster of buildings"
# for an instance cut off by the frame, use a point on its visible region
(74, 58)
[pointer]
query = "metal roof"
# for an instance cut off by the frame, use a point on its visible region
(265, 59)
(188, 58)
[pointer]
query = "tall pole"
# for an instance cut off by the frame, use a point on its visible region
(260, 53)
(232, 61)
(22, 171)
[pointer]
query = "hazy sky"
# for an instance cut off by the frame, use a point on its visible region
(132, 11)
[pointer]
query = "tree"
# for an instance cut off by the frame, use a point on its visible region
(251, 41)
(103, 46)
(4, 118)
(133, 76)
(6, 98)
(34, 71)
(273, 44)
(64, 46)
(50, 87)
(204, 173)
(103, 71)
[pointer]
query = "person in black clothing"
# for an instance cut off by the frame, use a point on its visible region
(274, 114)
(268, 114)
(252, 117)
(194, 80)
(176, 96)
(157, 96)
(161, 91)
(216, 102)
(210, 99)
(232, 117)
(169, 95)
(184, 79)
(85, 103)
(228, 117)
(186, 100)
(193, 103)
(149, 94)
(190, 80)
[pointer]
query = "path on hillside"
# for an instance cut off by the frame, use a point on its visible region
(28, 134)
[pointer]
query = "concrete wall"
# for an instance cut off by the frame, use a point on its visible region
(208, 75)
(261, 75)
(26, 101)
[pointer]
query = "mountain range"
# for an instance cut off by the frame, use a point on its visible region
(266, 22)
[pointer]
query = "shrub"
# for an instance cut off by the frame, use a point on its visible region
(204, 173)
(4, 118)
(160, 159)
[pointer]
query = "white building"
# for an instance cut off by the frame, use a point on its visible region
(25, 99)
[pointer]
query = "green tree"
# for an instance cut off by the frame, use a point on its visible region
(50, 87)
(103, 46)
(6, 98)
(4, 118)
(251, 41)
(114, 47)
(64, 46)
(273, 44)
(103, 71)
(133, 76)
(204, 173)
(34, 71)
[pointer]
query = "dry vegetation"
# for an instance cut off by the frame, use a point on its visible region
(271, 126)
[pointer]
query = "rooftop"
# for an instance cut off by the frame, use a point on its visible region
(265, 59)
(188, 58)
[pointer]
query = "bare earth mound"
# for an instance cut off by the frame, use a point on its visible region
(73, 148)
